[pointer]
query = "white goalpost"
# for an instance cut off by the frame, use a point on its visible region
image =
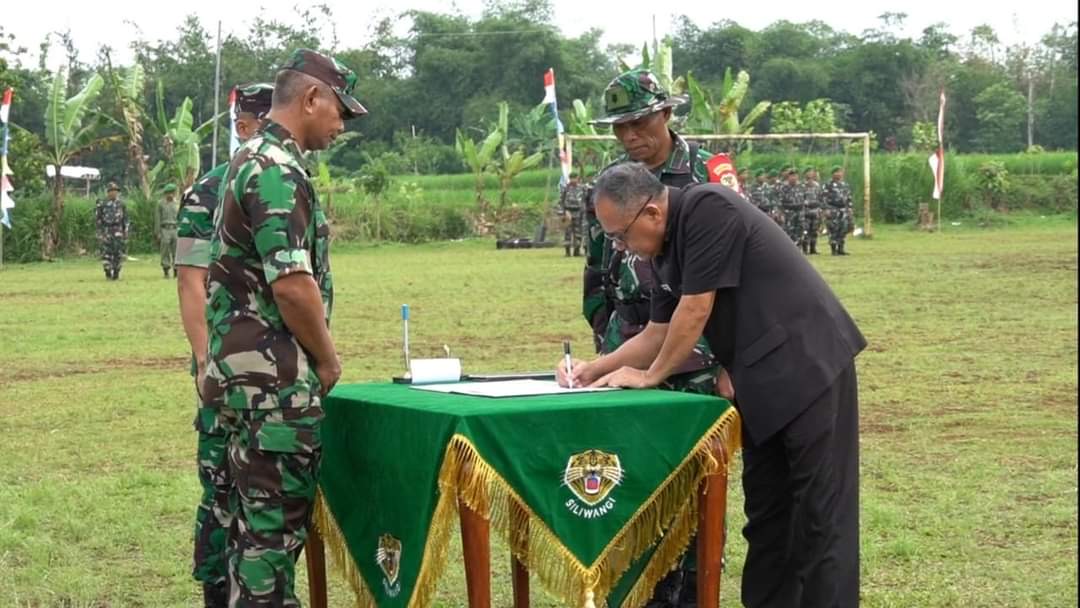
(865, 137)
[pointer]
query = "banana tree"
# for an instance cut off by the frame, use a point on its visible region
(510, 164)
(478, 158)
(180, 143)
(586, 153)
(660, 64)
(129, 106)
(721, 115)
(71, 128)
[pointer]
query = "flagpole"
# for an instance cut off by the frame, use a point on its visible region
(217, 95)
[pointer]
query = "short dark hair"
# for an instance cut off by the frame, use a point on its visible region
(627, 184)
(289, 85)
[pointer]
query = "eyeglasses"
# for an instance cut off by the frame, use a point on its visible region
(620, 236)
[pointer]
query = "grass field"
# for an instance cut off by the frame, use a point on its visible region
(968, 390)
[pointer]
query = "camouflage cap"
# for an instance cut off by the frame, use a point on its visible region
(112, 187)
(837, 168)
(635, 94)
(169, 188)
(330, 71)
(809, 170)
(254, 98)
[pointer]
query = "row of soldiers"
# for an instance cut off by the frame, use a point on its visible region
(801, 207)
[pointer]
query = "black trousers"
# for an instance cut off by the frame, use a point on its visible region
(802, 507)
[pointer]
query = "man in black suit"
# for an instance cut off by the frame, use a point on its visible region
(787, 350)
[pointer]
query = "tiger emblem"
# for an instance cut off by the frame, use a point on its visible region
(388, 557)
(592, 475)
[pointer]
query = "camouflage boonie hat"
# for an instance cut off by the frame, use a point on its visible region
(330, 71)
(254, 98)
(112, 187)
(635, 94)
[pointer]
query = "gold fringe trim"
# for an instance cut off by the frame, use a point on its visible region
(671, 509)
(431, 568)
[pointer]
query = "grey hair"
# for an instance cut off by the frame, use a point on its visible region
(627, 184)
(289, 85)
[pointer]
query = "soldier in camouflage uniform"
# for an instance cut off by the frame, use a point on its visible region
(790, 196)
(571, 208)
(167, 210)
(812, 195)
(840, 218)
(270, 296)
(758, 191)
(112, 224)
(617, 283)
(196, 225)
(771, 194)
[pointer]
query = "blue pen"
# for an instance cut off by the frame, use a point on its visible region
(405, 326)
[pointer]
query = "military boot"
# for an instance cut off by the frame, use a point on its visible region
(840, 249)
(832, 248)
(215, 596)
(166, 272)
(813, 248)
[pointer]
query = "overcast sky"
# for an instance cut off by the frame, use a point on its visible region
(92, 24)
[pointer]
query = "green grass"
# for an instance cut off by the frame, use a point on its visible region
(968, 390)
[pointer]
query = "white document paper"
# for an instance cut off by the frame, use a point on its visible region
(508, 388)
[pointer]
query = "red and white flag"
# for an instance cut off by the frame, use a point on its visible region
(937, 159)
(6, 202)
(5, 107)
(549, 86)
(234, 140)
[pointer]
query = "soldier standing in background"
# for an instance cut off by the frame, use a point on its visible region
(571, 208)
(791, 201)
(112, 223)
(758, 191)
(167, 210)
(840, 215)
(812, 195)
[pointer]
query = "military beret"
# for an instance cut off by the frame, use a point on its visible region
(169, 188)
(330, 71)
(837, 168)
(808, 170)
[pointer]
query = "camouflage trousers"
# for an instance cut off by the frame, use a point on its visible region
(113, 249)
(213, 517)
(168, 248)
(274, 460)
(813, 225)
(794, 225)
(572, 236)
(839, 223)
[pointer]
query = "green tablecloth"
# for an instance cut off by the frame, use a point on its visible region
(586, 488)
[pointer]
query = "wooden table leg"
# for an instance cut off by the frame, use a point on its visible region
(316, 567)
(519, 542)
(476, 545)
(712, 509)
